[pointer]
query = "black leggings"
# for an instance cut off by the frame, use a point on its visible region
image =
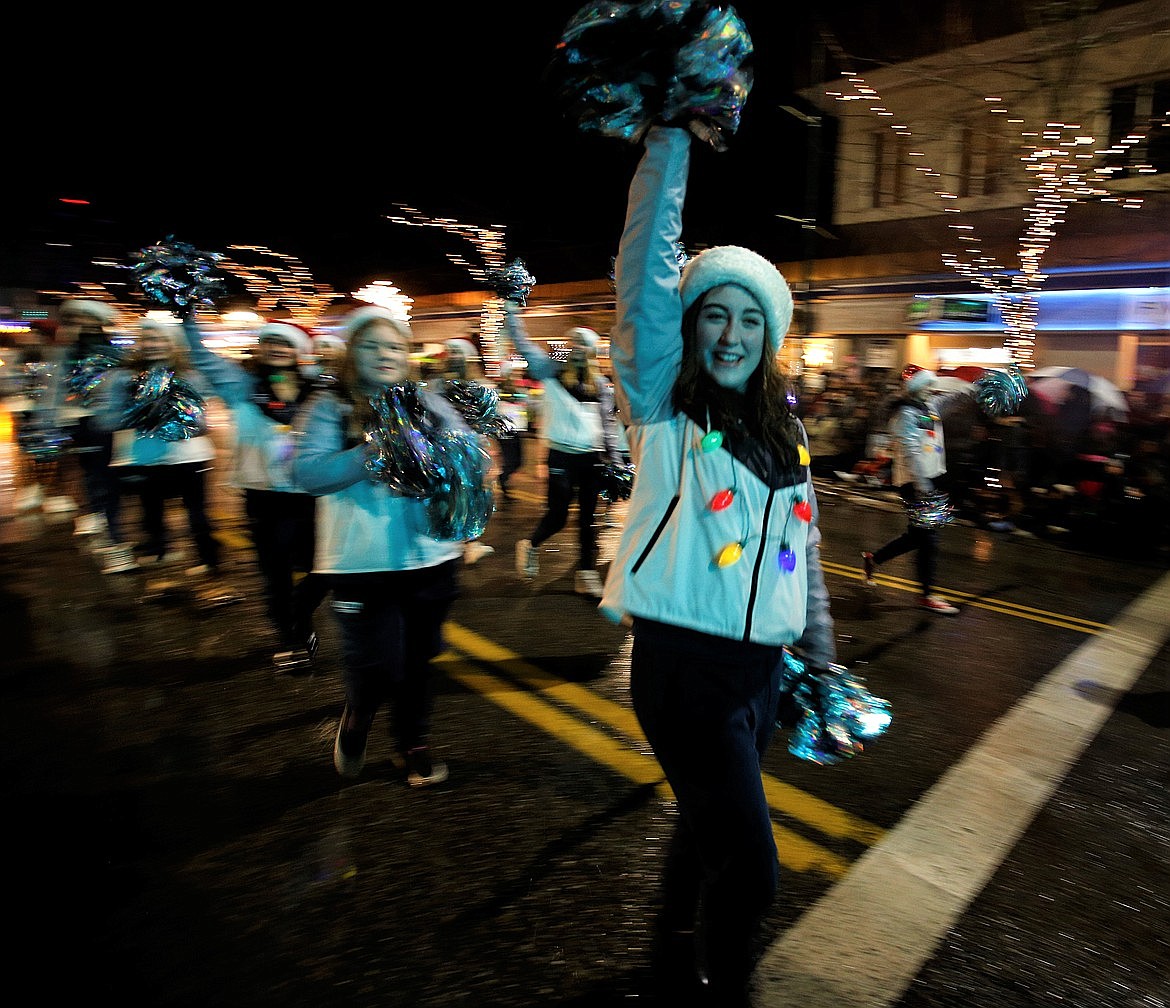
(572, 474)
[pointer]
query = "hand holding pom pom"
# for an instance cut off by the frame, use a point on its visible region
(832, 712)
(513, 282)
(621, 67)
(1000, 392)
(179, 276)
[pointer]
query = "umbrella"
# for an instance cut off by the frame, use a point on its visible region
(1055, 384)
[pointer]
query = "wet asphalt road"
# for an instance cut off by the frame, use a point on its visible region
(176, 834)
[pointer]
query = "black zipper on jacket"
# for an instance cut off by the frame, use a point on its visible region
(751, 604)
(657, 533)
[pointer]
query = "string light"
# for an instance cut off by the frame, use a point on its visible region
(489, 246)
(1057, 158)
(281, 284)
(385, 295)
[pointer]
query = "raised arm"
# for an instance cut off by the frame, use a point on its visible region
(229, 381)
(646, 344)
(540, 365)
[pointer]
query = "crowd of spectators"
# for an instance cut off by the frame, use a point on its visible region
(1095, 480)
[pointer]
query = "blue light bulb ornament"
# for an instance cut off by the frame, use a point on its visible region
(787, 559)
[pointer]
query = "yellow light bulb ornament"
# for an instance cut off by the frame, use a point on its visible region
(729, 554)
(802, 455)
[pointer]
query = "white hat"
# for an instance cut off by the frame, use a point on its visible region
(730, 264)
(297, 336)
(359, 318)
(917, 379)
(462, 346)
(581, 334)
(99, 311)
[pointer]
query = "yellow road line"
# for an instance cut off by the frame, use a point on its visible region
(1002, 606)
(796, 852)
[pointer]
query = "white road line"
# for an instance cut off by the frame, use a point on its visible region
(864, 942)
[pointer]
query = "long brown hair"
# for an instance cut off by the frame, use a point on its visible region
(763, 408)
(347, 388)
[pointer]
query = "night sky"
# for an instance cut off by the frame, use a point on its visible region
(303, 134)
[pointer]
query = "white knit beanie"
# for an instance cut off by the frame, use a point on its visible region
(917, 379)
(359, 318)
(585, 336)
(730, 264)
(300, 338)
(99, 311)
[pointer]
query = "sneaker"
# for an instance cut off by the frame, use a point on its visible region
(89, 524)
(119, 558)
(421, 770)
(58, 505)
(937, 604)
(349, 748)
(588, 582)
(29, 498)
(527, 559)
(870, 568)
(297, 661)
(475, 551)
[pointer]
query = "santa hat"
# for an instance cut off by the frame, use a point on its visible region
(298, 337)
(98, 311)
(359, 318)
(327, 341)
(917, 379)
(461, 346)
(730, 264)
(580, 334)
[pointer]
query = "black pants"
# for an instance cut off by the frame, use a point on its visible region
(281, 525)
(511, 458)
(916, 538)
(103, 492)
(157, 484)
(572, 474)
(391, 626)
(708, 708)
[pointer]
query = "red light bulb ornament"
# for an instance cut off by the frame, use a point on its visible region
(803, 510)
(722, 500)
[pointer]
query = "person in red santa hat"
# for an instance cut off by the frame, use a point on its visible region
(263, 396)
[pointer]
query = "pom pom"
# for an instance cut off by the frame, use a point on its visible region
(617, 480)
(513, 282)
(179, 276)
(479, 406)
(619, 67)
(41, 440)
(930, 511)
(445, 467)
(831, 711)
(1000, 393)
(404, 456)
(86, 375)
(165, 406)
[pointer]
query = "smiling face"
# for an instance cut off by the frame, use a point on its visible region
(730, 336)
(154, 346)
(381, 356)
(276, 352)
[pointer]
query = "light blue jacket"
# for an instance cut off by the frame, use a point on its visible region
(362, 525)
(665, 568)
(262, 458)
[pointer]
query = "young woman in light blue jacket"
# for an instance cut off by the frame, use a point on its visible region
(393, 582)
(717, 570)
(263, 398)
